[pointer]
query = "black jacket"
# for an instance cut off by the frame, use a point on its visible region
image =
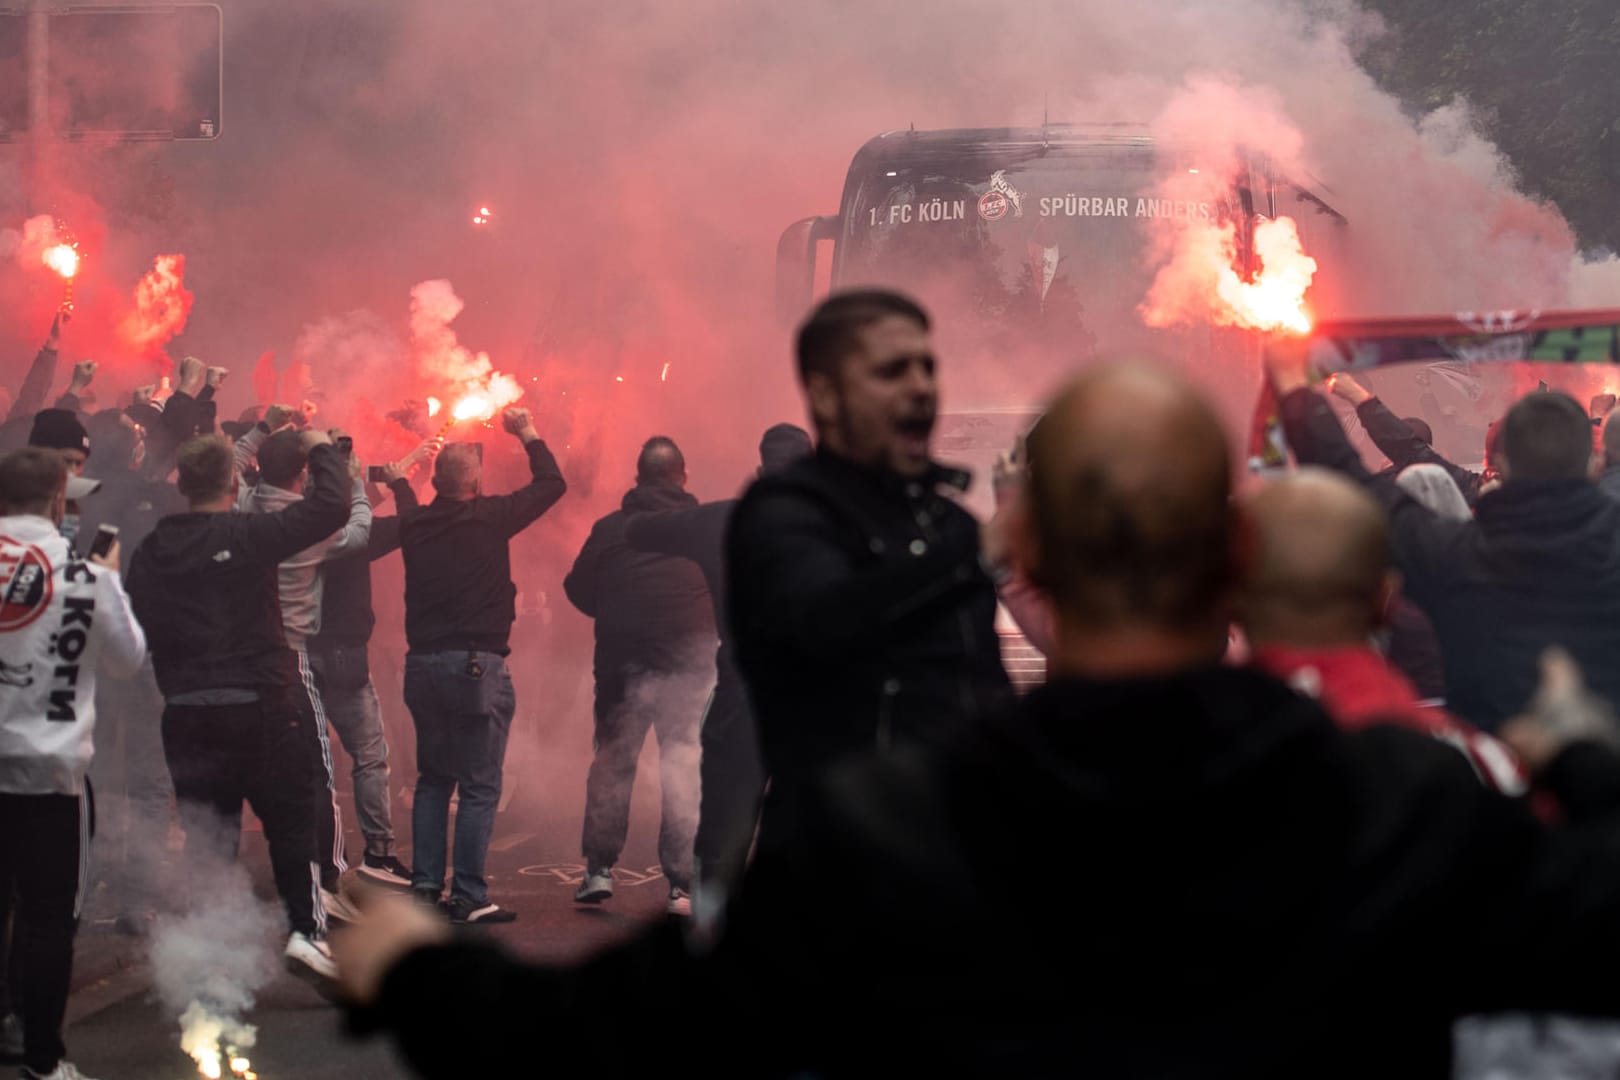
(458, 569)
(1539, 565)
(204, 586)
(697, 533)
(648, 608)
(347, 618)
(1397, 441)
(860, 612)
(1236, 889)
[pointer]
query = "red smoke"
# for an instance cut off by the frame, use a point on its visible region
(162, 305)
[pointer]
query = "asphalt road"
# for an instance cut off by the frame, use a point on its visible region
(119, 1030)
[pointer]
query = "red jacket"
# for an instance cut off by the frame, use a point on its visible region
(1359, 688)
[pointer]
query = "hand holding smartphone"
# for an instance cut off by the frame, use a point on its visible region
(105, 542)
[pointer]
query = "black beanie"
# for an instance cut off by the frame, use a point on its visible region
(782, 446)
(59, 429)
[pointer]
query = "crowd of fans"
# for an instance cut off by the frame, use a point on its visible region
(1322, 765)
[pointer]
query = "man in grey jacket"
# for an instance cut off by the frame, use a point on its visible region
(283, 467)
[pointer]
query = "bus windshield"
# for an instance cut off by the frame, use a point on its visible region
(1039, 264)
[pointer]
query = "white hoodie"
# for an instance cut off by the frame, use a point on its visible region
(59, 618)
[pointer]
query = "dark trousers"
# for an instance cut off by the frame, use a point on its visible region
(733, 782)
(631, 698)
(462, 705)
(44, 845)
(265, 753)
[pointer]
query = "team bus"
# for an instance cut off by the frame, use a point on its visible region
(1034, 248)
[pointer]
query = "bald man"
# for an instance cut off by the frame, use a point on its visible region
(1317, 588)
(1152, 866)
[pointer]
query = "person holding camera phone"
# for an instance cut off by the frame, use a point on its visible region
(63, 618)
(340, 660)
(459, 610)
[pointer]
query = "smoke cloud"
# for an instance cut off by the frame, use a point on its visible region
(639, 161)
(210, 963)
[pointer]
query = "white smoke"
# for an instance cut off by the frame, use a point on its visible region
(441, 357)
(210, 963)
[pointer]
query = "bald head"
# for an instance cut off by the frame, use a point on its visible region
(1129, 482)
(1320, 569)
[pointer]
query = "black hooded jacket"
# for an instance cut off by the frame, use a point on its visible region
(649, 608)
(1539, 565)
(859, 610)
(1232, 888)
(204, 586)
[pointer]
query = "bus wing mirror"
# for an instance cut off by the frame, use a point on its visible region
(796, 265)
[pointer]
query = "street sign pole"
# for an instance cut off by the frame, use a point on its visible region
(39, 53)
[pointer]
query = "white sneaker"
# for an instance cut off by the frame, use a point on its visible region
(597, 887)
(311, 960)
(680, 902)
(337, 906)
(65, 1070)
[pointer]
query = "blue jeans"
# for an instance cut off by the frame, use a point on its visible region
(462, 705)
(345, 686)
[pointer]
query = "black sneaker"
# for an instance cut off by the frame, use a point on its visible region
(464, 913)
(386, 870)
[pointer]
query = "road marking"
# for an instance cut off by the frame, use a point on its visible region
(507, 843)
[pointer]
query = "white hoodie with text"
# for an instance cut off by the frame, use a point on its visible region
(60, 618)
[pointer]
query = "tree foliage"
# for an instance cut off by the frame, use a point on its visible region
(1544, 79)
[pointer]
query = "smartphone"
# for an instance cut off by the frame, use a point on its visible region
(345, 445)
(377, 474)
(106, 537)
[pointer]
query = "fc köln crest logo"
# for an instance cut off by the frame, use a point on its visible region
(1002, 196)
(27, 575)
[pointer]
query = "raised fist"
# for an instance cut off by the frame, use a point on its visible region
(517, 420)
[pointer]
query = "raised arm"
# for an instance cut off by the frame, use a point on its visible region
(355, 535)
(515, 512)
(84, 372)
(277, 536)
(1395, 438)
(36, 384)
(385, 530)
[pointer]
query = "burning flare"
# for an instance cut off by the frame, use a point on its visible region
(443, 360)
(62, 258)
(433, 406)
(1275, 299)
(1199, 284)
(474, 407)
(214, 1043)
